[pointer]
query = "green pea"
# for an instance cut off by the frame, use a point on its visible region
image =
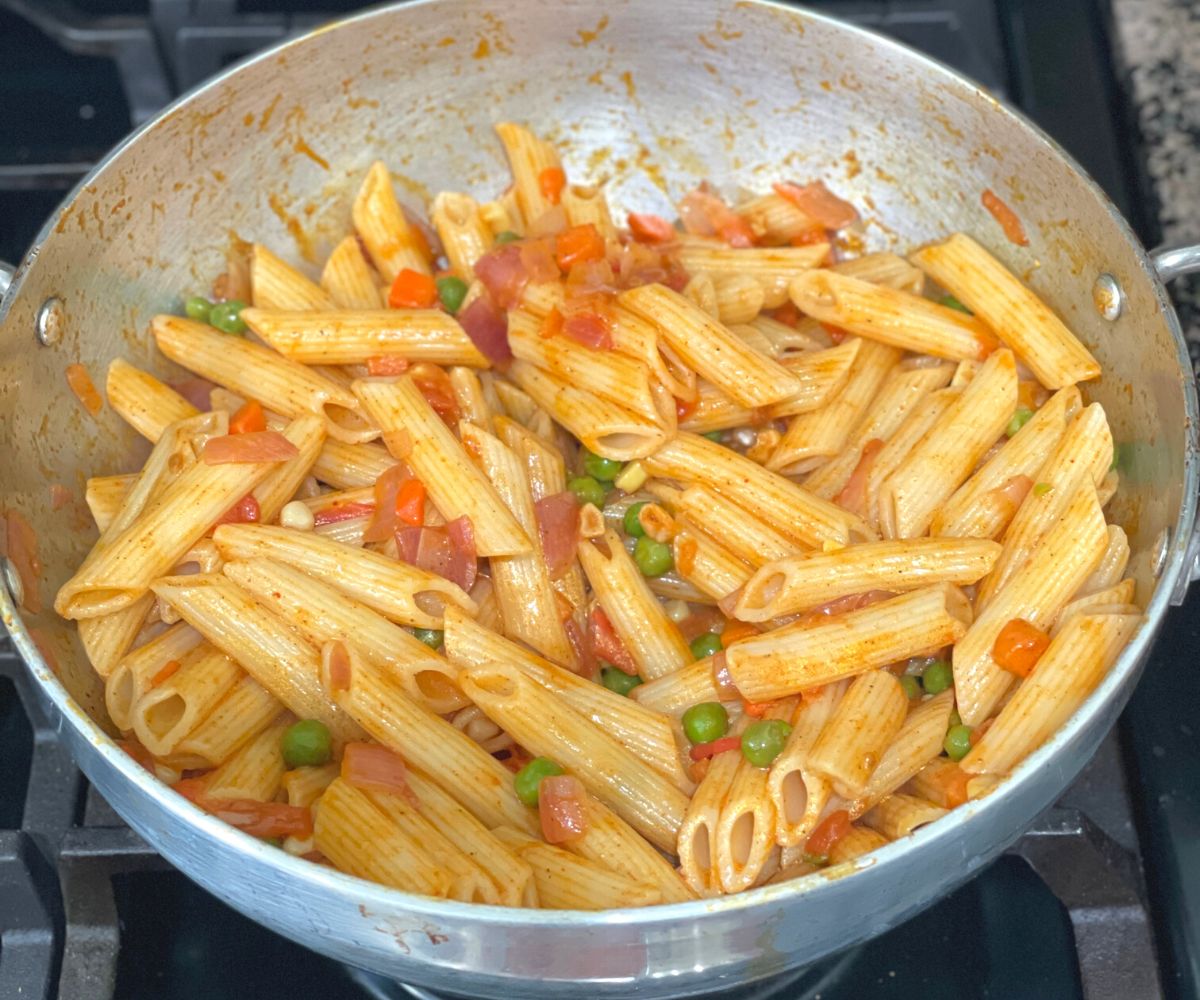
(452, 291)
(598, 467)
(950, 302)
(705, 645)
(717, 436)
(938, 676)
(307, 744)
(432, 637)
(1019, 420)
(911, 686)
(764, 740)
(507, 236)
(957, 742)
(526, 780)
(198, 308)
(227, 317)
(633, 527)
(618, 681)
(820, 860)
(705, 722)
(587, 490)
(652, 558)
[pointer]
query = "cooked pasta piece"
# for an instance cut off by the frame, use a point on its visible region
(136, 672)
(1014, 313)
(462, 230)
(705, 564)
(545, 725)
(277, 285)
(391, 242)
(799, 792)
(899, 815)
(254, 770)
(867, 718)
(538, 178)
(813, 652)
(859, 841)
(142, 401)
(697, 841)
(772, 267)
(918, 741)
(244, 711)
(349, 279)
(172, 708)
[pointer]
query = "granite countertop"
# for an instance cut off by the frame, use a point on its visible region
(1159, 42)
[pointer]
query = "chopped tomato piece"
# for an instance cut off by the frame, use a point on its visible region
(262, 819)
(607, 644)
(374, 768)
(756, 709)
(702, 750)
(339, 670)
(387, 364)
(788, 315)
(828, 832)
(435, 385)
(735, 231)
(647, 228)
(561, 808)
(589, 329)
(578, 244)
(551, 182)
(248, 418)
(819, 203)
(558, 529)
(412, 290)
(383, 515)
(245, 511)
(410, 502)
(1019, 646)
(684, 408)
(1007, 218)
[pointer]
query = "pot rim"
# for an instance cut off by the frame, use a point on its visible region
(930, 837)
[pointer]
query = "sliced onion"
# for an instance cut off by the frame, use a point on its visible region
(383, 521)
(464, 561)
(853, 496)
(503, 274)
(819, 203)
(589, 329)
(197, 391)
(487, 327)
(254, 446)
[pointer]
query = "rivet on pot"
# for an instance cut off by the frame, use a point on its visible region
(51, 320)
(1108, 297)
(12, 580)
(1158, 554)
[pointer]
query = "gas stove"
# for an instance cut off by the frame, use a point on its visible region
(1095, 901)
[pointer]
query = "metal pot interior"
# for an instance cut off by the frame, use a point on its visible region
(653, 98)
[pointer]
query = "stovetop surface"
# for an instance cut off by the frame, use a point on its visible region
(1060, 917)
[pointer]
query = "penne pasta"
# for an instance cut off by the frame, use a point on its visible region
(918, 741)
(898, 815)
(257, 372)
(747, 376)
(812, 438)
(943, 458)
(1018, 317)
(346, 337)
(773, 268)
(277, 285)
(165, 714)
(638, 619)
(867, 718)
(799, 583)
(530, 158)
(137, 671)
(586, 204)
(1067, 672)
(798, 791)
(244, 711)
(263, 644)
(464, 233)
(859, 841)
(814, 652)
(612, 843)
(349, 279)
(253, 771)
(521, 582)
(735, 529)
(706, 565)
(380, 223)
(890, 316)
(399, 592)
(414, 433)
(697, 841)
(545, 725)
(142, 401)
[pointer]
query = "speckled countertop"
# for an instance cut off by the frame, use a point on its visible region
(1159, 43)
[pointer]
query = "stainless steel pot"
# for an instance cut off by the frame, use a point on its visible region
(657, 95)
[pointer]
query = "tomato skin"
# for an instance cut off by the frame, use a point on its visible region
(648, 228)
(828, 832)
(702, 751)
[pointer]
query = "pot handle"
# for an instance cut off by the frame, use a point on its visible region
(1172, 263)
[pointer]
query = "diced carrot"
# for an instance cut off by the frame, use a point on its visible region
(248, 418)
(412, 290)
(578, 244)
(1019, 646)
(551, 182)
